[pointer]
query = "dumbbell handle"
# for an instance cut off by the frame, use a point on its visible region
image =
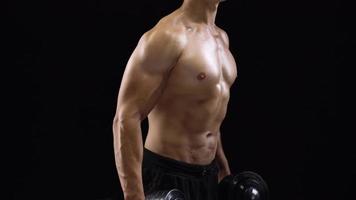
(173, 194)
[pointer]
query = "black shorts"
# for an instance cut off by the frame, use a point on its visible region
(197, 182)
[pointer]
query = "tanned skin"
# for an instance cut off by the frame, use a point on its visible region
(179, 76)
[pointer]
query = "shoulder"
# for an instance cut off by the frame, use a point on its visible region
(224, 35)
(161, 46)
(165, 35)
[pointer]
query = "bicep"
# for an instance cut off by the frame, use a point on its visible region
(144, 79)
(138, 91)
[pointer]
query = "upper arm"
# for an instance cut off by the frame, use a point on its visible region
(146, 74)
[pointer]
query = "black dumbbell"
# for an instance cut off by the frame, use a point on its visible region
(246, 185)
(173, 194)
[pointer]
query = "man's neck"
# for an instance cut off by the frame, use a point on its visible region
(201, 11)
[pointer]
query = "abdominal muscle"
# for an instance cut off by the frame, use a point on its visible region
(186, 130)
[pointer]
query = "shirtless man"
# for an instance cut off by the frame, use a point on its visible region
(179, 76)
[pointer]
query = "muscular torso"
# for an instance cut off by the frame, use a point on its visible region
(185, 122)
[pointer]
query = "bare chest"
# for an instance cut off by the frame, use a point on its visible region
(204, 68)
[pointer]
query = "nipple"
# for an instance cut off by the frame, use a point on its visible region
(201, 76)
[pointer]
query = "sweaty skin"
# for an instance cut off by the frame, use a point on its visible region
(179, 76)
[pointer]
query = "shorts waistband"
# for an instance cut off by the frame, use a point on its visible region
(152, 158)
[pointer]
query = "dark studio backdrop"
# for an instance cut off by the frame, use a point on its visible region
(73, 54)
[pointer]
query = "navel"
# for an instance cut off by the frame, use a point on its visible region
(201, 76)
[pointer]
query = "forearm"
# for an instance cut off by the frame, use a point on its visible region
(223, 164)
(222, 160)
(128, 147)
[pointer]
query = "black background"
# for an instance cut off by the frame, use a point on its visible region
(72, 55)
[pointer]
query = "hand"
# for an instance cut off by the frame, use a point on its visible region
(223, 173)
(134, 197)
